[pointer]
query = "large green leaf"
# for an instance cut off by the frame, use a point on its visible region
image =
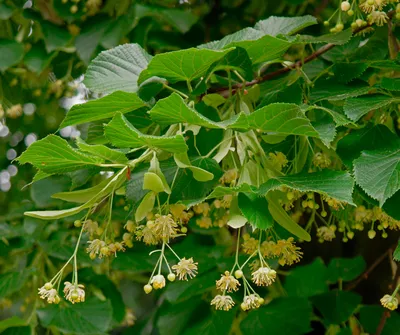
(307, 280)
(345, 269)
(54, 155)
(332, 90)
(378, 173)
(182, 65)
(355, 108)
(255, 210)
(282, 118)
(117, 69)
(336, 306)
(103, 108)
(11, 52)
(276, 25)
(103, 152)
(377, 137)
(335, 184)
(91, 317)
(173, 110)
(293, 313)
(123, 135)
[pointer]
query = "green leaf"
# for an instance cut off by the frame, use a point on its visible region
(356, 108)
(173, 109)
(334, 91)
(183, 162)
(256, 211)
(276, 25)
(283, 219)
(151, 87)
(345, 72)
(216, 324)
(391, 84)
(346, 269)
(336, 38)
(220, 191)
(180, 19)
(396, 253)
(175, 316)
(54, 155)
(37, 59)
(146, 206)
(275, 314)
(336, 306)
(336, 184)
(42, 190)
(11, 53)
(378, 173)
(27, 330)
(113, 184)
(6, 11)
(123, 135)
(103, 108)
(55, 37)
(326, 129)
(377, 137)
(103, 152)
(282, 118)
(307, 280)
(11, 282)
(117, 69)
(182, 65)
(14, 321)
(91, 317)
(370, 317)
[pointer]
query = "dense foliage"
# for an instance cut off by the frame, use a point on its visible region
(223, 175)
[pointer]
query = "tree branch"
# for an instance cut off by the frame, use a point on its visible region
(271, 75)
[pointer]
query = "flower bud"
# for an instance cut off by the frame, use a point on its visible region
(371, 234)
(238, 274)
(171, 277)
(350, 12)
(147, 288)
(345, 6)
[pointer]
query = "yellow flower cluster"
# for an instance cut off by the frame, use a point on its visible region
(286, 250)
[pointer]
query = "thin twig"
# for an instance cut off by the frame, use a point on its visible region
(365, 275)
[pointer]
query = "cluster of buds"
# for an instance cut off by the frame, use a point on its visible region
(14, 111)
(284, 249)
(278, 160)
(321, 160)
(99, 248)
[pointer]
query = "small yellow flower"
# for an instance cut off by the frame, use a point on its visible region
(96, 247)
(263, 276)
(250, 245)
(288, 252)
(185, 268)
(227, 283)
(204, 222)
(158, 282)
(251, 301)
(380, 18)
(326, 233)
(164, 227)
(389, 302)
(49, 293)
(74, 293)
(223, 302)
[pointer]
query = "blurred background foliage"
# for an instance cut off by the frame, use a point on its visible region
(45, 48)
